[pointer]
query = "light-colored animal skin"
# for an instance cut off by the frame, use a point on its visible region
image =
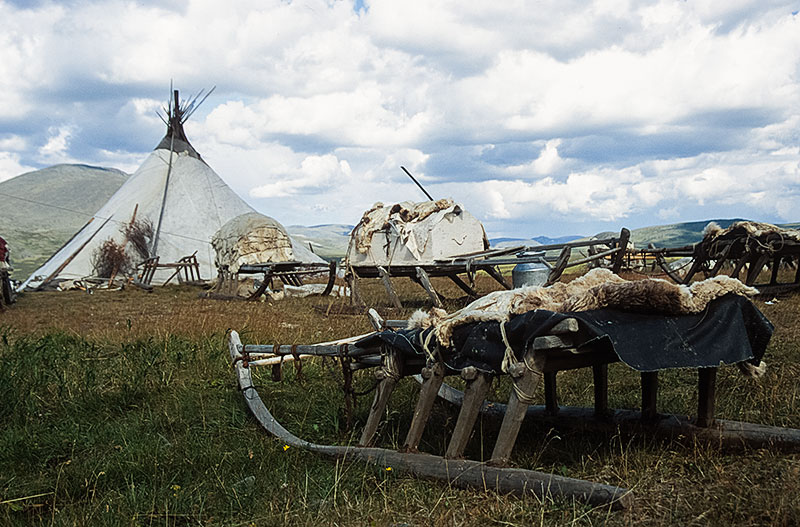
(596, 289)
(753, 228)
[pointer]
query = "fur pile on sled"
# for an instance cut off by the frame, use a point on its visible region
(596, 289)
(753, 229)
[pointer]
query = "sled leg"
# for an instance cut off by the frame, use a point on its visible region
(387, 283)
(649, 395)
(706, 391)
(389, 374)
(477, 388)
(525, 383)
(434, 376)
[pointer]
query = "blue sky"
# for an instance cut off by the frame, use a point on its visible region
(553, 117)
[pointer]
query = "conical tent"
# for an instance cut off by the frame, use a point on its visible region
(177, 192)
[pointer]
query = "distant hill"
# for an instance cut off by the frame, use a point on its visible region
(676, 234)
(681, 234)
(502, 243)
(328, 241)
(44, 208)
(529, 242)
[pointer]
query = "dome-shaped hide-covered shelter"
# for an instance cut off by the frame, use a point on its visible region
(410, 233)
(255, 244)
(251, 238)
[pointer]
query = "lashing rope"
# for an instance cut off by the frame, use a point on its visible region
(390, 366)
(508, 360)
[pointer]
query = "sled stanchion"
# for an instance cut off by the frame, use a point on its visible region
(600, 377)
(477, 387)
(433, 377)
(649, 395)
(525, 382)
(389, 374)
(706, 393)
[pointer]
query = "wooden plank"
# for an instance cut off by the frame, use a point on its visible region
(277, 372)
(600, 378)
(649, 395)
(379, 403)
(705, 396)
(515, 413)
(756, 265)
(355, 294)
(797, 273)
(474, 395)
(376, 320)
(423, 278)
(721, 258)
(550, 393)
(547, 342)
(776, 265)
(699, 260)
(492, 271)
(594, 257)
(464, 287)
(739, 265)
(568, 325)
(433, 378)
(558, 268)
(331, 278)
(262, 288)
(387, 283)
(662, 263)
(622, 243)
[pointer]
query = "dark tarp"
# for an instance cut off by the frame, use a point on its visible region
(730, 330)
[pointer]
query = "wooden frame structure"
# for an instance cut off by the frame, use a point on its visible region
(453, 469)
(187, 271)
(564, 348)
(747, 256)
(290, 273)
(488, 262)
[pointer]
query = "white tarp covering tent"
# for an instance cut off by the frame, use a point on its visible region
(411, 233)
(175, 190)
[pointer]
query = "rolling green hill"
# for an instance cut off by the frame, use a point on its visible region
(43, 209)
(677, 234)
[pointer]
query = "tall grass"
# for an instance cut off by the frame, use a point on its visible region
(119, 408)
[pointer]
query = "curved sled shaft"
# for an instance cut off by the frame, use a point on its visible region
(462, 473)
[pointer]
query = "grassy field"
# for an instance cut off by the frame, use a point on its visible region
(120, 408)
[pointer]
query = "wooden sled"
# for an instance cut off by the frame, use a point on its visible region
(744, 256)
(545, 357)
(489, 261)
(451, 468)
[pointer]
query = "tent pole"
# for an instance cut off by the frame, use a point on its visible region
(175, 115)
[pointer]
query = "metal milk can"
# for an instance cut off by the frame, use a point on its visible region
(532, 272)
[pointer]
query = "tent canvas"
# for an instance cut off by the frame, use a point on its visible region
(174, 189)
(412, 233)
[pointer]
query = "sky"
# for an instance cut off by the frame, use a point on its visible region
(540, 117)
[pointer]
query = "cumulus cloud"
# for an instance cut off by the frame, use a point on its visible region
(318, 172)
(591, 113)
(56, 149)
(10, 166)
